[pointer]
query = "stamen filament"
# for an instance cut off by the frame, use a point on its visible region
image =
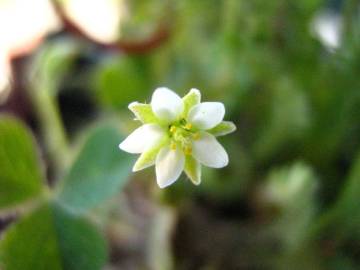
(172, 129)
(173, 146)
(196, 136)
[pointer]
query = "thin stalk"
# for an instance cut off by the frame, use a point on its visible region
(51, 125)
(349, 11)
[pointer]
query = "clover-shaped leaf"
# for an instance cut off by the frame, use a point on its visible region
(20, 174)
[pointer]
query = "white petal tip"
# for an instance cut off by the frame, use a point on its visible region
(169, 182)
(162, 88)
(121, 147)
(221, 105)
(168, 166)
(162, 187)
(163, 91)
(124, 146)
(222, 161)
(224, 164)
(141, 138)
(165, 185)
(209, 152)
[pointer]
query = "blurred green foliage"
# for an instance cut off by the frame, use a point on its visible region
(54, 233)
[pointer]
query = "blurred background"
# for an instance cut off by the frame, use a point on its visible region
(288, 73)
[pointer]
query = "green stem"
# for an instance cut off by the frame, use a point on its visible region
(52, 126)
(349, 9)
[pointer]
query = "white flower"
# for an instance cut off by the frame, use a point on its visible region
(178, 134)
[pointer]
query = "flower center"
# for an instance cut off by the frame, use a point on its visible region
(182, 134)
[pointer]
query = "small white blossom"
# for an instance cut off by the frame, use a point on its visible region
(178, 134)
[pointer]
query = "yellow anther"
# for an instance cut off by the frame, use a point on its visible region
(172, 129)
(188, 150)
(188, 126)
(196, 136)
(173, 146)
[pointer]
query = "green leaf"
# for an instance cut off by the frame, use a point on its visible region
(193, 170)
(80, 243)
(190, 100)
(20, 173)
(98, 173)
(120, 80)
(50, 238)
(224, 128)
(143, 112)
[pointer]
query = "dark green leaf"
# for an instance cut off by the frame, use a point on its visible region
(50, 238)
(80, 244)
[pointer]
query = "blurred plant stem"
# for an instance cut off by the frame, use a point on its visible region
(230, 12)
(50, 66)
(160, 255)
(159, 244)
(51, 125)
(349, 10)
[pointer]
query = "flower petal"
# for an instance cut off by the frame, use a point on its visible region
(206, 115)
(209, 152)
(143, 112)
(148, 157)
(142, 138)
(190, 100)
(225, 127)
(169, 165)
(166, 105)
(193, 170)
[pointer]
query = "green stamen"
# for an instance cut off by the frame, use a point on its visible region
(181, 134)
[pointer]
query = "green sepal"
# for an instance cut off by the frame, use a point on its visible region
(148, 157)
(224, 128)
(143, 112)
(190, 100)
(193, 169)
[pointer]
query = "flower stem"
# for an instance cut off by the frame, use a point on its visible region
(51, 125)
